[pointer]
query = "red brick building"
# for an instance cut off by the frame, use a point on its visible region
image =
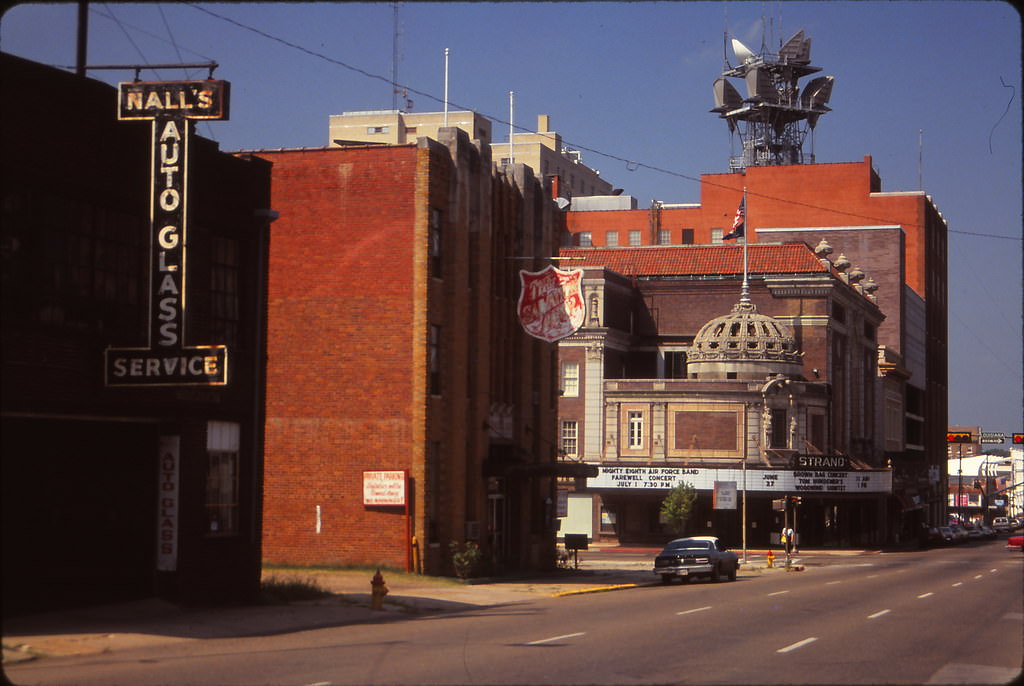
(394, 346)
(897, 238)
(664, 384)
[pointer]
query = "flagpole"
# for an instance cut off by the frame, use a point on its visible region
(745, 292)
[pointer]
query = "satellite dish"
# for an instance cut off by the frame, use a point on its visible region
(759, 85)
(743, 53)
(817, 92)
(797, 49)
(726, 96)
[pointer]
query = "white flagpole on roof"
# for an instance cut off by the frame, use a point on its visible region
(745, 292)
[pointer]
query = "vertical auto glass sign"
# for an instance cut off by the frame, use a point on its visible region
(551, 303)
(167, 360)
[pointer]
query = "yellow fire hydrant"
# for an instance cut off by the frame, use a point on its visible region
(771, 559)
(378, 589)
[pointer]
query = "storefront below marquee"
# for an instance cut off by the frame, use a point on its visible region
(834, 509)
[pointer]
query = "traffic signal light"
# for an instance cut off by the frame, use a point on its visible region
(959, 437)
(1018, 439)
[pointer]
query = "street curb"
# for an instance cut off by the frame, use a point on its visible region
(596, 589)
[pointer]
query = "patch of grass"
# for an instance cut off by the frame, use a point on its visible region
(275, 591)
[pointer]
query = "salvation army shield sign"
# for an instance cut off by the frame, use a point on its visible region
(551, 303)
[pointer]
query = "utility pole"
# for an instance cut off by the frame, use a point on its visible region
(83, 38)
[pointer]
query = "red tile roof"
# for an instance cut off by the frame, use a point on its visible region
(696, 260)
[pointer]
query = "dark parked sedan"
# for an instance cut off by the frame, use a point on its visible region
(697, 556)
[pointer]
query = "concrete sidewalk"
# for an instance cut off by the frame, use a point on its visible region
(149, 622)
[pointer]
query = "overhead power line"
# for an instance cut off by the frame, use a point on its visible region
(631, 164)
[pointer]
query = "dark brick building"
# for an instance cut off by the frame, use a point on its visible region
(115, 491)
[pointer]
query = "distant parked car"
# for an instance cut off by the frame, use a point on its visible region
(696, 556)
(1003, 524)
(947, 535)
(959, 533)
(974, 533)
(987, 531)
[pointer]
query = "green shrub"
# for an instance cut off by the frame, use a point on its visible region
(466, 561)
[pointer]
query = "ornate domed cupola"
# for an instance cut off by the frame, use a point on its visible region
(744, 345)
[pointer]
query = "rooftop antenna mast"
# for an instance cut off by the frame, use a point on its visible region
(776, 116)
(395, 57)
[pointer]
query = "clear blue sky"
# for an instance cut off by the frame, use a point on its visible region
(632, 81)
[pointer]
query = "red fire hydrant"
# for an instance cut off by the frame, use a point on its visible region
(378, 589)
(771, 559)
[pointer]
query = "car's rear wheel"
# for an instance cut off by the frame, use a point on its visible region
(666, 579)
(715, 572)
(732, 572)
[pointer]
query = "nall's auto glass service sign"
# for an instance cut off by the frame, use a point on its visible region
(551, 303)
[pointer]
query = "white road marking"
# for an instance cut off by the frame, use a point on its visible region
(872, 576)
(798, 644)
(992, 571)
(977, 576)
(925, 595)
(554, 638)
(832, 583)
(698, 609)
(958, 583)
(878, 614)
(778, 592)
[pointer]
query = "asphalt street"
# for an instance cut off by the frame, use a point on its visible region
(941, 616)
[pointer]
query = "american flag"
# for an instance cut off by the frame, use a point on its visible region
(737, 224)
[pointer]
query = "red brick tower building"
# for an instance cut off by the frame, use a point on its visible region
(394, 346)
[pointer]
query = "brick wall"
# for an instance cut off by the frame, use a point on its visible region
(340, 346)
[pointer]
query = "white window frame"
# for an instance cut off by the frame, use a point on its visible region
(570, 379)
(635, 238)
(611, 239)
(569, 439)
(635, 422)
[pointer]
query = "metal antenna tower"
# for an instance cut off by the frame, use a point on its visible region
(776, 116)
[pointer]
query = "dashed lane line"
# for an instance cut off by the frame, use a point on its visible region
(925, 595)
(798, 644)
(696, 609)
(778, 593)
(554, 638)
(879, 614)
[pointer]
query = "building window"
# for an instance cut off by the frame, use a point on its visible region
(222, 445)
(664, 237)
(434, 361)
(780, 429)
(636, 430)
(716, 235)
(570, 379)
(585, 239)
(435, 243)
(675, 365)
(838, 313)
(634, 238)
(376, 129)
(410, 129)
(687, 238)
(224, 290)
(570, 438)
(611, 239)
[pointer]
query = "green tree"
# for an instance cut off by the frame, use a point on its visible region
(677, 506)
